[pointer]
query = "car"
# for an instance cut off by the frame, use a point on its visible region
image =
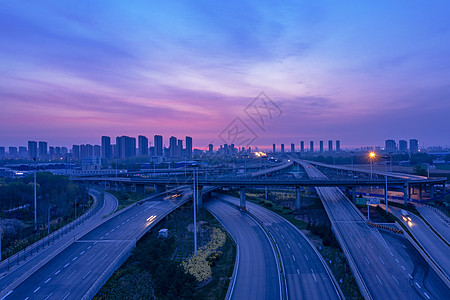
(405, 216)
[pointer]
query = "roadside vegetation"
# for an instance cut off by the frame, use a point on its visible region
(17, 208)
(165, 268)
(127, 198)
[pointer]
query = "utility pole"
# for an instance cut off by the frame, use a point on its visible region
(195, 173)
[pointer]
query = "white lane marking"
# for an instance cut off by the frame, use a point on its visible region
(48, 296)
(82, 252)
(75, 258)
(282, 237)
(351, 233)
(66, 296)
(9, 293)
(117, 226)
(66, 265)
(89, 247)
(379, 279)
(101, 238)
(370, 245)
(298, 272)
(357, 244)
(94, 244)
(418, 285)
(48, 280)
(37, 289)
(313, 275)
(71, 274)
(426, 295)
(306, 256)
(381, 260)
(403, 245)
(367, 260)
(104, 257)
(107, 233)
(113, 229)
(403, 268)
(288, 246)
(395, 279)
(299, 245)
(91, 257)
(123, 223)
(57, 272)
(86, 274)
(410, 276)
(276, 229)
(396, 260)
(293, 257)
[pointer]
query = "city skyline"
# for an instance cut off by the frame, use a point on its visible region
(69, 77)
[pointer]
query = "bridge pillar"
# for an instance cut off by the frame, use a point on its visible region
(160, 188)
(298, 204)
(128, 187)
(354, 194)
(420, 192)
(431, 191)
(243, 200)
(140, 188)
(405, 194)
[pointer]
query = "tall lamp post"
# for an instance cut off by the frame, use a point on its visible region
(371, 157)
(35, 198)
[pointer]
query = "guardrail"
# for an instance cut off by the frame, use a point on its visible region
(395, 230)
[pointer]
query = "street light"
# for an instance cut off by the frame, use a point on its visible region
(35, 200)
(371, 157)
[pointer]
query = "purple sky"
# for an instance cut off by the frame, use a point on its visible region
(360, 72)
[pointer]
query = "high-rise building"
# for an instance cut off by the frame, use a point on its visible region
(273, 148)
(321, 146)
(330, 146)
(292, 147)
(188, 147)
(402, 146)
(390, 146)
(158, 142)
(12, 152)
(2, 152)
(43, 152)
(179, 148)
(302, 146)
(32, 149)
(86, 150)
(97, 150)
(76, 152)
(311, 146)
(210, 148)
(143, 145)
(126, 146)
(173, 146)
(282, 148)
(23, 152)
(51, 152)
(413, 146)
(106, 148)
(338, 145)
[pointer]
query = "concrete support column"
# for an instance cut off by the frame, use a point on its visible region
(405, 194)
(140, 188)
(431, 191)
(298, 204)
(420, 192)
(354, 194)
(243, 201)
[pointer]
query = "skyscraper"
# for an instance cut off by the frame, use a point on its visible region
(158, 139)
(402, 146)
(302, 146)
(210, 148)
(179, 148)
(330, 145)
(106, 148)
(143, 145)
(32, 149)
(338, 145)
(390, 146)
(173, 146)
(188, 147)
(273, 148)
(76, 152)
(2, 152)
(12, 152)
(126, 146)
(43, 152)
(292, 147)
(311, 146)
(413, 146)
(282, 148)
(321, 146)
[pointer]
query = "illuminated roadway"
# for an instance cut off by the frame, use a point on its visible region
(74, 271)
(386, 265)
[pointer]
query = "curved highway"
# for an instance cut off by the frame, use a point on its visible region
(256, 276)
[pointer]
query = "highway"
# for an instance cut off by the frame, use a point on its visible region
(16, 272)
(437, 220)
(437, 249)
(306, 274)
(75, 271)
(257, 273)
(385, 264)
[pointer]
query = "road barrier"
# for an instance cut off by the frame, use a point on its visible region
(389, 228)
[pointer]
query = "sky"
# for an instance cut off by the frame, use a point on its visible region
(269, 71)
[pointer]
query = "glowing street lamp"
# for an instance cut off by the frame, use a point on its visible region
(371, 156)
